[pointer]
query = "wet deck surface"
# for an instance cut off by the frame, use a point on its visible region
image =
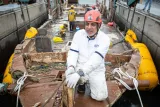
(114, 37)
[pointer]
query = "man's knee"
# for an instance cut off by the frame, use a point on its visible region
(99, 96)
(98, 86)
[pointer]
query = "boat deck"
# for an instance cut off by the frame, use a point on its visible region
(39, 64)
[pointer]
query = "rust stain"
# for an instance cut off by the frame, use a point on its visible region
(30, 96)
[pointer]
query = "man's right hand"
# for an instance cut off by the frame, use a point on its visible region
(72, 80)
(69, 71)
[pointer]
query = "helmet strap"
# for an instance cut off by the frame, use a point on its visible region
(93, 36)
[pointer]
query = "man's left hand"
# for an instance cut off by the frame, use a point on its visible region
(72, 80)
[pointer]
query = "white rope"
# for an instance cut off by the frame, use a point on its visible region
(125, 75)
(20, 82)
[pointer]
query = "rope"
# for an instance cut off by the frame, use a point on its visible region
(122, 40)
(20, 82)
(125, 75)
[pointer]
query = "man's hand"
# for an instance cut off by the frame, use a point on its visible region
(83, 79)
(72, 80)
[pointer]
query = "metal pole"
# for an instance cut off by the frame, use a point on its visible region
(132, 16)
(104, 2)
(48, 4)
(28, 16)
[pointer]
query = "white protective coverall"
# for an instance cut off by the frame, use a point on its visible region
(88, 54)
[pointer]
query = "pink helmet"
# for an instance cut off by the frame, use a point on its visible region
(93, 16)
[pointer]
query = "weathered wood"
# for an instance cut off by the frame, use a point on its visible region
(47, 57)
(25, 46)
(64, 96)
(53, 93)
(70, 97)
(18, 66)
(30, 96)
(141, 83)
(113, 58)
(41, 84)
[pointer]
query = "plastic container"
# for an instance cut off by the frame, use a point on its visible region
(77, 28)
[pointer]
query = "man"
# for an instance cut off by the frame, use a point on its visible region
(149, 7)
(63, 29)
(71, 17)
(85, 62)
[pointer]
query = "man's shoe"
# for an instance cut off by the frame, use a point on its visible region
(81, 89)
(148, 11)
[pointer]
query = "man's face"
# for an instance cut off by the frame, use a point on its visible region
(91, 28)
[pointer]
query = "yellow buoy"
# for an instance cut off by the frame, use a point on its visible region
(7, 78)
(130, 37)
(32, 32)
(147, 69)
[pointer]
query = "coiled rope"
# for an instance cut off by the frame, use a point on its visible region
(125, 75)
(20, 82)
